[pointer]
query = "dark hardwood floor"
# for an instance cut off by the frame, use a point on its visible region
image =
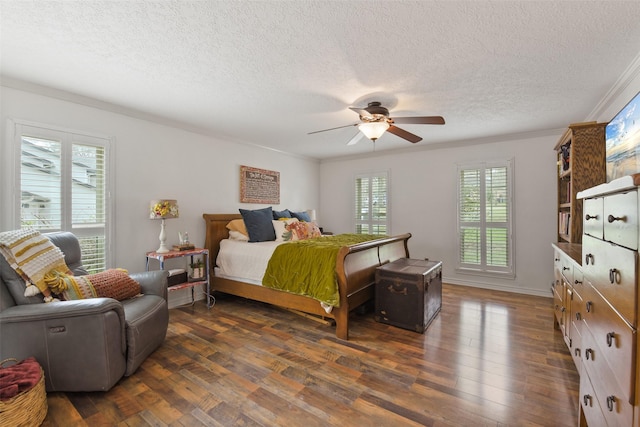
(489, 359)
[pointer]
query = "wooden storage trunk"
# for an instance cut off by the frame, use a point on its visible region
(409, 293)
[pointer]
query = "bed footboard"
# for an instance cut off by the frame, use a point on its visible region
(355, 269)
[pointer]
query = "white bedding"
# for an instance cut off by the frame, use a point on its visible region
(244, 261)
(247, 262)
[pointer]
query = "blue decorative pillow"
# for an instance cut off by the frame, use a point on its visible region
(282, 214)
(302, 216)
(259, 225)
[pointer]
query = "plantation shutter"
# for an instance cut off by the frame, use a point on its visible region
(89, 203)
(371, 203)
(41, 184)
(470, 217)
(485, 219)
(63, 187)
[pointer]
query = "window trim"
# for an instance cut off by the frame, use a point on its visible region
(484, 270)
(11, 164)
(370, 175)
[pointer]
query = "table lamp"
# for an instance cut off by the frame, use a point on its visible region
(163, 209)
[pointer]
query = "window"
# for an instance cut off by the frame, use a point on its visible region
(371, 203)
(63, 185)
(485, 209)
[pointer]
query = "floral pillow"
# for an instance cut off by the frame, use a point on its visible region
(304, 230)
(282, 228)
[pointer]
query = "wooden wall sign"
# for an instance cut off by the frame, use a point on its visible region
(259, 186)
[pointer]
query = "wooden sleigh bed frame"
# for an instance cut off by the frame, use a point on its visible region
(355, 268)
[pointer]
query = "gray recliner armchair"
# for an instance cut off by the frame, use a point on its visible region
(82, 345)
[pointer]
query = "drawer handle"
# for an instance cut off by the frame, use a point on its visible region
(577, 352)
(556, 259)
(610, 337)
(588, 217)
(588, 352)
(565, 268)
(578, 316)
(587, 400)
(612, 218)
(614, 275)
(393, 290)
(563, 309)
(577, 282)
(610, 401)
(589, 305)
(588, 257)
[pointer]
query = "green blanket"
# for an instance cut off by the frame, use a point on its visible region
(307, 267)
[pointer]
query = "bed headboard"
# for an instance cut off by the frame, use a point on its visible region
(216, 230)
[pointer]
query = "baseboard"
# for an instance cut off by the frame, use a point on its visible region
(495, 287)
(183, 296)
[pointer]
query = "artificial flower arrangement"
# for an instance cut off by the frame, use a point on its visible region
(164, 209)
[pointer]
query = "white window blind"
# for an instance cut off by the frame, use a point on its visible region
(63, 181)
(485, 237)
(371, 203)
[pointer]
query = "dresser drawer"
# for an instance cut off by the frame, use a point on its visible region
(576, 344)
(566, 268)
(589, 402)
(614, 402)
(621, 219)
(612, 270)
(593, 219)
(608, 343)
(578, 281)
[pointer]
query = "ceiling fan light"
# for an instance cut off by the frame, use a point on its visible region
(373, 130)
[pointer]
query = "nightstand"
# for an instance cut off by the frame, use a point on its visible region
(190, 283)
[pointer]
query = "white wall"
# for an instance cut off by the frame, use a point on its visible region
(156, 161)
(423, 195)
(423, 202)
(202, 173)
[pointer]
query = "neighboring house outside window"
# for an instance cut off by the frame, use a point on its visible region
(371, 203)
(63, 181)
(485, 219)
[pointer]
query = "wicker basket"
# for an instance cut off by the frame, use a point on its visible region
(28, 408)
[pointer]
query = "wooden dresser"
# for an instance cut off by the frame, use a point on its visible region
(601, 304)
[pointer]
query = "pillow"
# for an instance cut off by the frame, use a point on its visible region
(236, 235)
(282, 228)
(16, 285)
(238, 225)
(258, 223)
(302, 216)
(304, 230)
(114, 283)
(281, 214)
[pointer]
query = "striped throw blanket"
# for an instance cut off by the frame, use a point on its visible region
(33, 256)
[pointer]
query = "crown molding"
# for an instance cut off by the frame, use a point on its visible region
(75, 98)
(630, 74)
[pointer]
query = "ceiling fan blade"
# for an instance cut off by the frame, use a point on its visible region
(404, 134)
(362, 112)
(426, 120)
(357, 137)
(339, 127)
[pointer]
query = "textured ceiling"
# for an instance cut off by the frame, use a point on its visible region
(269, 72)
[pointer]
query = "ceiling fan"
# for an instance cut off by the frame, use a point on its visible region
(375, 120)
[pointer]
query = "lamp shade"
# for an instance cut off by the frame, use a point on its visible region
(163, 209)
(373, 130)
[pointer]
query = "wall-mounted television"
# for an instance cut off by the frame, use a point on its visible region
(622, 136)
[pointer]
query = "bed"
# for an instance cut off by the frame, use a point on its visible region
(355, 272)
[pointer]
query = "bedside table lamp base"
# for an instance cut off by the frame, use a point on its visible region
(163, 249)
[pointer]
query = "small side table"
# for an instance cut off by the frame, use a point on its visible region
(161, 257)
